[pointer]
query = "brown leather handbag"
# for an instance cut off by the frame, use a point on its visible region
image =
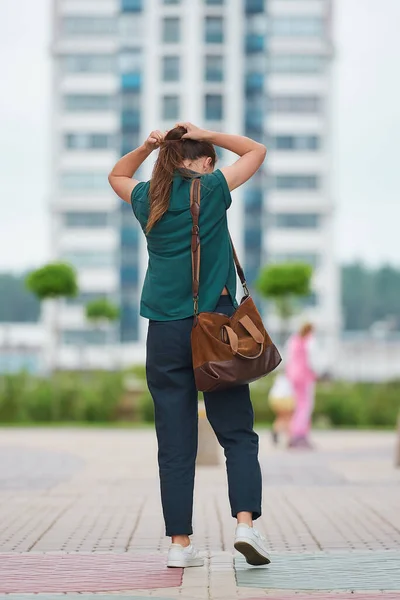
(227, 351)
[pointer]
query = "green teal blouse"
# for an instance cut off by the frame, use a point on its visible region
(167, 289)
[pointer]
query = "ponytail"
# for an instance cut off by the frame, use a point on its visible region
(173, 151)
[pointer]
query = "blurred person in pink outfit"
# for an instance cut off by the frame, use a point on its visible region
(300, 372)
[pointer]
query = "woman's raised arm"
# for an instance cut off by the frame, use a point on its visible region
(120, 177)
(252, 154)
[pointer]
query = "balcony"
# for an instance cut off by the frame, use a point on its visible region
(254, 82)
(131, 81)
(254, 43)
(255, 6)
(132, 5)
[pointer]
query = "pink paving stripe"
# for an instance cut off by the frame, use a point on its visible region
(41, 573)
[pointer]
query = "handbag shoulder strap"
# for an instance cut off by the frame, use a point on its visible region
(195, 197)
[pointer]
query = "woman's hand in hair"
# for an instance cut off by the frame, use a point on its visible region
(154, 140)
(193, 132)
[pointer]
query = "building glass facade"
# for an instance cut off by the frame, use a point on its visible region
(119, 84)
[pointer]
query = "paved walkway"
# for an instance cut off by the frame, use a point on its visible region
(80, 514)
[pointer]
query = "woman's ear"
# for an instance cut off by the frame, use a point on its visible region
(208, 165)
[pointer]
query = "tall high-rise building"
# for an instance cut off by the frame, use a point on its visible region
(125, 67)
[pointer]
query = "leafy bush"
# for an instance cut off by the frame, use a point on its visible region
(64, 397)
(101, 398)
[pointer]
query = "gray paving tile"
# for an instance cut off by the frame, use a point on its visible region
(336, 571)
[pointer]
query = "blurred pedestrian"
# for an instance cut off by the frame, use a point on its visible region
(300, 372)
(281, 401)
(162, 207)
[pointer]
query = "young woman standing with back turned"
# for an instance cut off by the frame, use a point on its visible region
(162, 207)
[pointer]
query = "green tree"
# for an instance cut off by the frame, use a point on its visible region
(285, 284)
(102, 310)
(53, 282)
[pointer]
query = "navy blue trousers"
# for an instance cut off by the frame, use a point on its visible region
(171, 383)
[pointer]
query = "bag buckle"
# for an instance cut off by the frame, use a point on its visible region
(196, 305)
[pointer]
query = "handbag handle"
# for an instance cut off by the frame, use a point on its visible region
(233, 339)
(195, 197)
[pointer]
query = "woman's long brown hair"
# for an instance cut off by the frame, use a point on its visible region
(173, 151)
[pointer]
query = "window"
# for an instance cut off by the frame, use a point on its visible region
(254, 6)
(89, 141)
(131, 100)
(86, 219)
(130, 65)
(129, 235)
(172, 1)
(253, 200)
(254, 43)
(130, 120)
(254, 82)
(85, 297)
(88, 25)
(213, 107)
(297, 220)
(296, 182)
(214, 2)
(80, 181)
(171, 30)
(297, 63)
(130, 116)
(296, 142)
(297, 26)
(309, 258)
(128, 257)
(214, 30)
(170, 107)
(81, 337)
(256, 31)
(255, 110)
(89, 259)
(130, 61)
(310, 301)
(85, 102)
(131, 5)
(131, 29)
(88, 63)
(171, 68)
(130, 141)
(129, 275)
(295, 104)
(214, 68)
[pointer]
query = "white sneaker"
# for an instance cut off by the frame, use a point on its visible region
(252, 545)
(178, 556)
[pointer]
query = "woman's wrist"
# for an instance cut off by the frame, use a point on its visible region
(209, 136)
(147, 147)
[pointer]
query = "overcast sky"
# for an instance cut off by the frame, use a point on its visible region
(366, 131)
